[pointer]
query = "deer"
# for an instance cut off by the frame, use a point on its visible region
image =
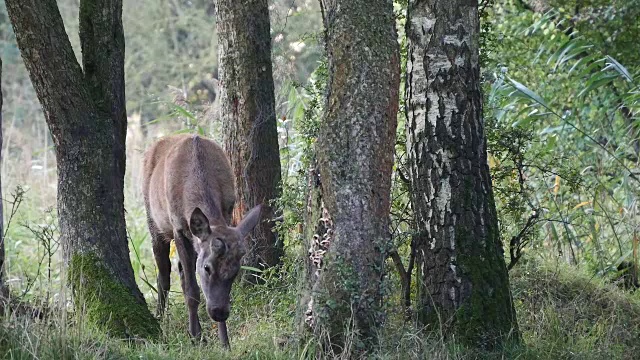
(188, 189)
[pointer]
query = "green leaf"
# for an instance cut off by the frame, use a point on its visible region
(183, 131)
(332, 304)
(160, 118)
(585, 59)
(528, 93)
(552, 130)
(149, 284)
(250, 268)
(623, 257)
(597, 82)
(619, 68)
(179, 110)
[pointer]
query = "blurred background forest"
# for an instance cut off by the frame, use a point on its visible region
(170, 58)
(561, 82)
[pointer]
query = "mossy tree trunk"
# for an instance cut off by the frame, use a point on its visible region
(247, 112)
(86, 114)
(463, 280)
(355, 157)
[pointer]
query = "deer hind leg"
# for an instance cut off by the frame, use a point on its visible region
(160, 243)
(190, 287)
(161, 248)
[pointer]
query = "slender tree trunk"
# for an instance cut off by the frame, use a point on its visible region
(539, 6)
(3, 285)
(86, 115)
(355, 156)
(464, 283)
(247, 112)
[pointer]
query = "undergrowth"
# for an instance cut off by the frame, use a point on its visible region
(563, 314)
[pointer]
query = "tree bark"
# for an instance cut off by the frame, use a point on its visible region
(355, 156)
(539, 6)
(464, 285)
(86, 115)
(247, 112)
(3, 285)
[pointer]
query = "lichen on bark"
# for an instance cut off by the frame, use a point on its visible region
(355, 158)
(108, 305)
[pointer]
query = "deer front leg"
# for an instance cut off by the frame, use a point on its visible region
(187, 255)
(223, 335)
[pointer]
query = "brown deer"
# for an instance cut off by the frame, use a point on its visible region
(189, 196)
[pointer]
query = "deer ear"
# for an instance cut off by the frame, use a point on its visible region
(249, 221)
(199, 224)
(218, 247)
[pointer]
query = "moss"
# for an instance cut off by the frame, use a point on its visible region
(487, 318)
(108, 304)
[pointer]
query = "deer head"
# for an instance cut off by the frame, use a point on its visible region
(220, 250)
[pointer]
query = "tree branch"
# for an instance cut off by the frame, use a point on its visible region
(399, 266)
(405, 276)
(103, 50)
(407, 289)
(516, 244)
(101, 33)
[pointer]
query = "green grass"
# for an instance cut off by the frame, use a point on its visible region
(65, 336)
(563, 314)
(566, 314)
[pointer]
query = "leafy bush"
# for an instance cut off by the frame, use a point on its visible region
(563, 141)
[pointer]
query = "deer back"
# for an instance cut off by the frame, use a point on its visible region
(184, 172)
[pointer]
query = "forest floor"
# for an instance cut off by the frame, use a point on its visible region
(562, 314)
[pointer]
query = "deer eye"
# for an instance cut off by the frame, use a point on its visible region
(207, 269)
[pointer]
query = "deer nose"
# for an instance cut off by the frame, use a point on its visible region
(219, 314)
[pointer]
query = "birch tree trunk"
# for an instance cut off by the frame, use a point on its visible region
(86, 114)
(247, 112)
(355, 157)
(463, 280)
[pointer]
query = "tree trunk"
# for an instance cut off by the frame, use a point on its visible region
(539, 6)
(355, 156)
(86, 115)
(247, 112)
(464, 286)
(3, 286)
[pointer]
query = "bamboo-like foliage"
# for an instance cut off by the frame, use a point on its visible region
(573, 156)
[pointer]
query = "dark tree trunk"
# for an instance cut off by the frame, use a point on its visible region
(86, 115)
(355, 156)
(247, 112)
(463, 281)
